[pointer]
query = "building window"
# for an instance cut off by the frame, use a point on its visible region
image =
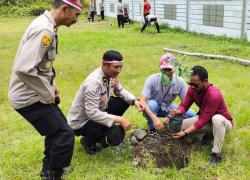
(170, 11)
(213, 15)
(112, 7)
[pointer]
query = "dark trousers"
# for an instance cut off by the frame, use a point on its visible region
(147, 23)
(97, 133)
(120, 21)
(50, 122)
(102, 15)
(127, 20)
(145, 15)
(92, 15)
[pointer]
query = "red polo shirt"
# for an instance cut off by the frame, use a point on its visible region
(147, 7)
(212, 103)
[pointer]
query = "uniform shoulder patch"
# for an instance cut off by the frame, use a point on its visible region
(46, 40)
(98, 89)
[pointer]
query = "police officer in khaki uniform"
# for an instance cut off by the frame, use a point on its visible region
(32, 90)
(96, 112)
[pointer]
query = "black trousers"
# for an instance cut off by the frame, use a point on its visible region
(102, 15)
(127, 20)
(50, 122)
(97, 133)
(92, 15)
(147, 23)
(145, 15)
(120, 21)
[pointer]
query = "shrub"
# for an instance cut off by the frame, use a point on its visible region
(37, 9)
(34, 9)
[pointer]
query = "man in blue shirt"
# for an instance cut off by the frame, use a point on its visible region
(159, 92)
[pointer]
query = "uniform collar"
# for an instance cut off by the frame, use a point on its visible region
(51, 19)
(208, 86)
(102, 75)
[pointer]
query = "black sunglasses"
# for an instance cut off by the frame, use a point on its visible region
(167, 69)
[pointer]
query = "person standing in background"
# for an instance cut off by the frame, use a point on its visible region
(92, 10)
(101, 6)
(120, 14)
(146, 10)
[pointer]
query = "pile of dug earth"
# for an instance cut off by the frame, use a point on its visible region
(162, 149)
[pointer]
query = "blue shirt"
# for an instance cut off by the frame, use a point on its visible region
(164, 95)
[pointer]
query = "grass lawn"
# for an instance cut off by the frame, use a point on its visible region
(80, 51)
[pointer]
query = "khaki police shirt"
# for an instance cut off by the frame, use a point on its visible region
(92, 98)
(32, 70)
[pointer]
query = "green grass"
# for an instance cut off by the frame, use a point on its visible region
(80, 51)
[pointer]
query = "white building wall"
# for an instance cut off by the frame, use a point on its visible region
(231, 22)
(232, 18)
(181, 13)
(247, 28)
(107, 4)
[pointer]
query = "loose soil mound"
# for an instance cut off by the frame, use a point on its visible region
(164, 151)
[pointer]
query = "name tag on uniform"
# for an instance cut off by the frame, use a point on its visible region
(175, 93)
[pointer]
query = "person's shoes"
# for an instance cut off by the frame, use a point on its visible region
(67, 170)
(103, 144)
(44, 174)
(55, 175)
(207, 139)
(214, 159)
(45, 169)
(89, 148)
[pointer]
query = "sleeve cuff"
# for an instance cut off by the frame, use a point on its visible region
(50, 96)
(198, 124)
(111, 121)
(181, 109)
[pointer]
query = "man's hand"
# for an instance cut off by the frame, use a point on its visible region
(165, 121)
(175, 112)
(139, 105)
(52, 100)
(157, 124)
(123, 122)
(179, 135)
(57, 91)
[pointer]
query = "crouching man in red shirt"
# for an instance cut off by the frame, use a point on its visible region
(213, 116)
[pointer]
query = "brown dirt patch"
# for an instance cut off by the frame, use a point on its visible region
(164, 151)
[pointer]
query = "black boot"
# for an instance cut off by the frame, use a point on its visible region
(45, 170)
(103, 143)
(215, 159)
(55, 175)
(89, 147)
